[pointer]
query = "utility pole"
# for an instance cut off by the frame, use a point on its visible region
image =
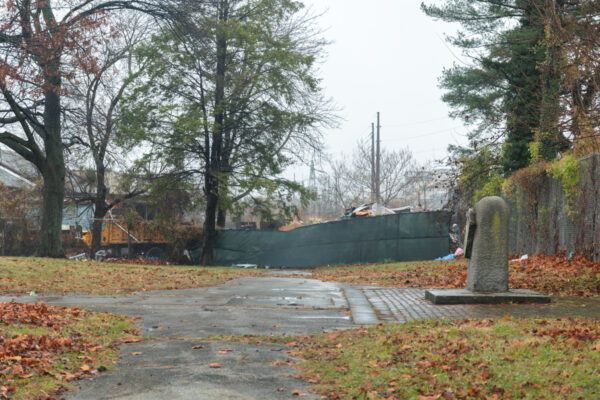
(373, 189)
(378, 167)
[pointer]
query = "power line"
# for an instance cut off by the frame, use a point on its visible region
(452, 52)
(430, 151)
(419, 122)
(427, 134)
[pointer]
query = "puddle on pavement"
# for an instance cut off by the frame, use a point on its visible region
(321, 317)
(289, 273)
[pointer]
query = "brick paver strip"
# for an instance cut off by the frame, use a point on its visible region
(401, 305)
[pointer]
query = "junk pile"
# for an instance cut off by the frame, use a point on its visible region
(367, 210)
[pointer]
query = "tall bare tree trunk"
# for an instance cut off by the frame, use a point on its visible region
(52, 169)
(100, 210)
(221, 218)
(209, 231)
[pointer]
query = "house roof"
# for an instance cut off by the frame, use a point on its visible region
(15, 171)
(12, 179)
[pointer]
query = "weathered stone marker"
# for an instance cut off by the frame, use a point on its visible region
(486, 247)
(488, 258)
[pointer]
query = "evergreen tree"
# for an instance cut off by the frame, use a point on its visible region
(509, 90)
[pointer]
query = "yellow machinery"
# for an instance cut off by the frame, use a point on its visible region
(115, 233)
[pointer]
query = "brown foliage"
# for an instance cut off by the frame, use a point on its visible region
(37, 314)
(466, 359)
(40, 40)
(556, 275)
(26, 355)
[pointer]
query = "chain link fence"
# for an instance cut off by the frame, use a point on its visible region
(541, 221)
(19, 236)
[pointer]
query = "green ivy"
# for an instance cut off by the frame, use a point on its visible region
(567, 170)
(525, 183)
(492, 188)
(534, 151)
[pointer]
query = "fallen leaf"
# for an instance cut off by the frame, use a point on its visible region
(132, 340)
(69, 377)
(214, 365)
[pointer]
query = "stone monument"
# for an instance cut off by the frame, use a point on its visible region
(486, 247)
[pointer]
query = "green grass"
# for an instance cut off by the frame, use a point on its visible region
(508, 358)
(45, 276)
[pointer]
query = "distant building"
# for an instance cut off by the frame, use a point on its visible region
(15, 171)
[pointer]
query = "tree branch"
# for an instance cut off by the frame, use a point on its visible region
(18, 145)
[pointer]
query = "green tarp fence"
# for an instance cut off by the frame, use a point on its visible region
(400, 237)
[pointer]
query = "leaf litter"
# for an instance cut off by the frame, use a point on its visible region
(45, 347)
(558, 275)
(507, 358)
(491, 359)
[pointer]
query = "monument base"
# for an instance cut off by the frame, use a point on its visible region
(464, 296)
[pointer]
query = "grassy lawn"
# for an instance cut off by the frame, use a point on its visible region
(43, 349)
(44, 276)
(552, 275)
(472, 359)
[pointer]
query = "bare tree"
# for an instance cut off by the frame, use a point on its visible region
(430, 187)
(395, 168)
(93, 111)
(346, 193)
(351, 177)
(43, 45)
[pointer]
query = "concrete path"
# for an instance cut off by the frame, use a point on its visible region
(170, 367)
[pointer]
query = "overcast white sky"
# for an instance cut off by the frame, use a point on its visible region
(387, 56)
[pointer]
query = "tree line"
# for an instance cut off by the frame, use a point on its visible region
(527, 84)
(218, 95)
